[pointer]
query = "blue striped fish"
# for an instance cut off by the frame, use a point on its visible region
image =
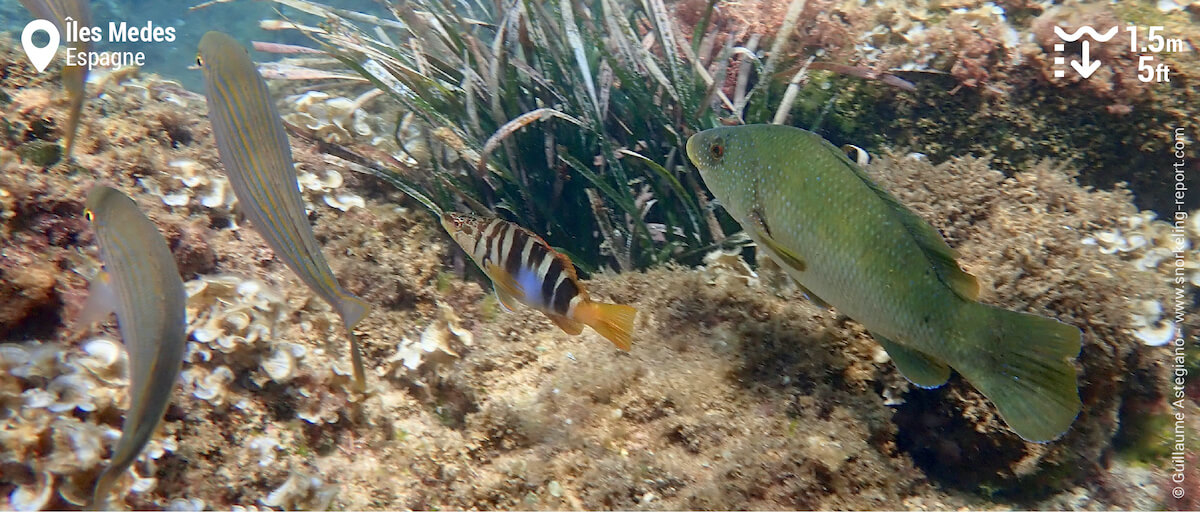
(73, 77)
(141, 281)
(525, 269)
(258, 162)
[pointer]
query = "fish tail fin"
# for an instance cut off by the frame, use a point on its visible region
(76, 79)
(614, 322)
(356, 359)
(1022, 366)
(103, 488)
(352, 310)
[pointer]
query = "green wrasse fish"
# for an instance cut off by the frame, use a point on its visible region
(258, 161)
(852, 245)
(524, 269)
(74, 78)
(141, 281)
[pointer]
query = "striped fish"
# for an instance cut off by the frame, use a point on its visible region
(258, 162)
(73, 77)
(142, 282)
(524, 269)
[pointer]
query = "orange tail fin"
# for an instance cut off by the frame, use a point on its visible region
(614, 322)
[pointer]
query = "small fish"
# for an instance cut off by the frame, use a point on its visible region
(258, 162)
(73, 77)
(854, 246)
(141, 281)
(524, 269)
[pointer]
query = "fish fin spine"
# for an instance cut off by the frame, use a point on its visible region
(1021, 363)
(612, 321)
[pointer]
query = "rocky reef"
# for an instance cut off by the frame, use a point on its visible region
(738, 393)
(984, 73)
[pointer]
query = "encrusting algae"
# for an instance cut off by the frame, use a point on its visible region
(736, 396)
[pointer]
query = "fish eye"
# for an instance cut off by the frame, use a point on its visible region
(88, 215)
(199, 61)
(717, 150)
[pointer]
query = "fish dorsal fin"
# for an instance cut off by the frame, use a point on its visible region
(568, 265)
(940, 254)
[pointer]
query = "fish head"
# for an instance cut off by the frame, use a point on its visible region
(215, 52)
(101, 200)
(464, 228)
(727, 161)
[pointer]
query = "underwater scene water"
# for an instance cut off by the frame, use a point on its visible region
(599, 255)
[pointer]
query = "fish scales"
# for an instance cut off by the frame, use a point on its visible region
(525, 269)
(852, 245)
(258, 161)
(149, 299)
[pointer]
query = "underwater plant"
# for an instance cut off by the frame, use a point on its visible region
(570, 117)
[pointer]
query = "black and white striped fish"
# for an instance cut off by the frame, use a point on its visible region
(525, 269)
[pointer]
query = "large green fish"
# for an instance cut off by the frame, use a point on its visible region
(258, 161)
(141, 282)
(855, 247)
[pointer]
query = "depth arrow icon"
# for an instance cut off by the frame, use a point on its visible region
(1088, 66)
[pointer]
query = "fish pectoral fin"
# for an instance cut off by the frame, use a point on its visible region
(506, 301)
(567, 325)
(917, 367)
(786, 256)
(101, 300)
(504, 283)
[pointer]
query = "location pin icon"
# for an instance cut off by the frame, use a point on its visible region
(40, 56)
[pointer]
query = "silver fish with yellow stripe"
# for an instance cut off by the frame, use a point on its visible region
(141, 281)
(525, 269)
(73, 77)
(258, 161)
